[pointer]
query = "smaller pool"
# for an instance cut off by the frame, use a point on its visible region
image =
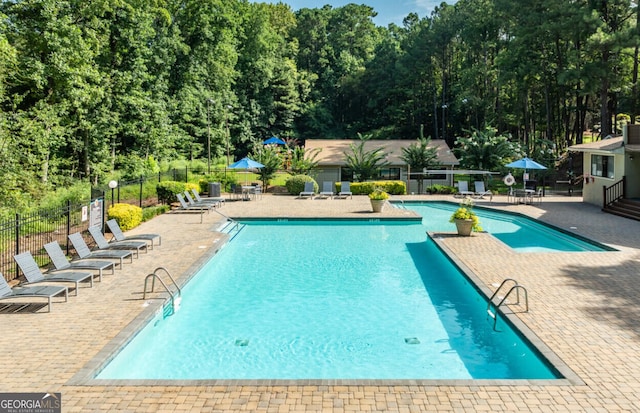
(520, 233)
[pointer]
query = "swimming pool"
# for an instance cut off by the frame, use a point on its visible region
(521, 233)
(329, 300)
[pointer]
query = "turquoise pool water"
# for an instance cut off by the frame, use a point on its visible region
(520, 233)
(328, 300)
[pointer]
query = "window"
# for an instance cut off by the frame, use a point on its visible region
(383, 174)
(438, 177)
(390, 174)
(602, 165)
(346, 174)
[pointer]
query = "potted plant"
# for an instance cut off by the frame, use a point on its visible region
(378, 198)
(465, 219)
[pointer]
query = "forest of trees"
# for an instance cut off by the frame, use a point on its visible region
(89, 87)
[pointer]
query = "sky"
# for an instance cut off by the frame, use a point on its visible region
(389, 11)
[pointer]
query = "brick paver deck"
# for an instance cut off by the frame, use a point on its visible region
(583, 306)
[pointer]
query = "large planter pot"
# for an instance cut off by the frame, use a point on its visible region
(377, 204)
(464, 227)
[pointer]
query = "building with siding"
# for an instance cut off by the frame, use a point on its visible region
(332, 164)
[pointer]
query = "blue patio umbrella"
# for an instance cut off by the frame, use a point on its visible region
(245, 163)
(525, 163)
(274, 141)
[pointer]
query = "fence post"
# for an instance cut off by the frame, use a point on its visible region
(17, 251)
(186, 174)
(68, 225)
(141, 180)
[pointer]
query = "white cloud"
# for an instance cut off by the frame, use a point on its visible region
(425, 7)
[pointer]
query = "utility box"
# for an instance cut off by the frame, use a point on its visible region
(214, 189)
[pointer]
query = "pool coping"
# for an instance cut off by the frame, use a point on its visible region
(86, 376)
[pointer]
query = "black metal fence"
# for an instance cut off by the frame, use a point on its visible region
(29, 232)
(135, 188)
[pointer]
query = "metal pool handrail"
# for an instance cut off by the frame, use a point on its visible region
(153, 276)
(516, 287)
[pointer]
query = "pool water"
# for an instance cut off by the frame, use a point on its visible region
(328, 300)
(520, 233)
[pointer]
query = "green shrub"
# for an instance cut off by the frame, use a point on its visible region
(391, 187)
(131, 191)
(295, 183)
(441, 189)
(150, 212)
(167, 190)
(128, 216)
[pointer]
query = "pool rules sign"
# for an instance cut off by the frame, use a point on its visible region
(30, 403)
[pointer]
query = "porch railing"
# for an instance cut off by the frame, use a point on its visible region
(613, 193)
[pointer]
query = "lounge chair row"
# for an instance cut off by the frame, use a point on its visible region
(191, 200)
(480, 191)
(327, 190)
(76, 271)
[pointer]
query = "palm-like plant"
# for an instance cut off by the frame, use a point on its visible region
(303, 160)
(364, 163)
(486, 150)
(420, 156)
(271, 157)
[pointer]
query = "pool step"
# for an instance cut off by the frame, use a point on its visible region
(231, 228)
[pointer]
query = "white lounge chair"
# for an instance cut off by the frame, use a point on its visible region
(481, 191)
(463, 190)
(309, 190)
(193, 202)
(212, 199)
(345, 190)
(185, 206)
(327, 190)
(41, 291)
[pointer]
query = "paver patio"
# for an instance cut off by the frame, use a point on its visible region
(584, 306)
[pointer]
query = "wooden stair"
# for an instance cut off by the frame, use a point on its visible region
(625, 208)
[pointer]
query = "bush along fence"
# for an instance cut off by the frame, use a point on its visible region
(143, 191)
(29, 232)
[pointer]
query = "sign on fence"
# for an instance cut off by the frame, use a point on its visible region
(95, 217)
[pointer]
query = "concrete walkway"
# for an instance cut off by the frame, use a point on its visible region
(584, 307)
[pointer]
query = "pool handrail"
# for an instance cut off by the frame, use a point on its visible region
(154, 275)
(516, 287)
(229, 219)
